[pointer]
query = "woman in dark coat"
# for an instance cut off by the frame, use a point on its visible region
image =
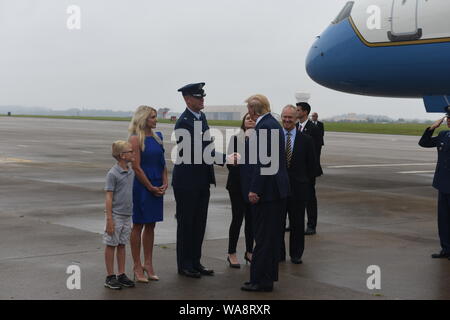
(238, 190)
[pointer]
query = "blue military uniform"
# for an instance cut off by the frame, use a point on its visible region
(191, 183)
(441, 182)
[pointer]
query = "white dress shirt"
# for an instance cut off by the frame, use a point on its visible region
(302, 125)
(293, 135)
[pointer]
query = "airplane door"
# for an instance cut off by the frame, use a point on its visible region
(404, 21)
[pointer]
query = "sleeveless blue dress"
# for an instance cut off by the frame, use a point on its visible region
(146, 207)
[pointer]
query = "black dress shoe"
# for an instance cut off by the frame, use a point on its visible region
(310, 232)
(296, 261)
(251, 287)
(440, 255)
(190, 273)
(204, 271)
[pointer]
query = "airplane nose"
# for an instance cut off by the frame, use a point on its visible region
(313, 61)
(331, 60)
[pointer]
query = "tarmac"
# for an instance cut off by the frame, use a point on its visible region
(376, 207)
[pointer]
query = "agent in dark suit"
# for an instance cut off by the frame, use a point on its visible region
(441, 181)
(238, 189)
(302, 167)
(320, 125)
(191, 180)
(309, 128)
(269, 189)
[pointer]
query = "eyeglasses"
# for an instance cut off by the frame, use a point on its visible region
(131, 151)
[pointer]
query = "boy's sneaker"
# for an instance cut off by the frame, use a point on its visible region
(112, 283)
(124, 281)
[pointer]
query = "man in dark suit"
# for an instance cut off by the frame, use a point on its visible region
(269, 189)
(191, 180)
(320, 125)
(441, 181)
(302, 166)
(307, 127)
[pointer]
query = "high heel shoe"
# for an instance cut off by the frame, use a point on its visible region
(140, 280)
(152, 277)
(247, 260)
(234, 266)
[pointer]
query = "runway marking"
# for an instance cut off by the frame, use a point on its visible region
(14, 160)
(381, 165)
(88, 152)
(22, 146)
(415, 172)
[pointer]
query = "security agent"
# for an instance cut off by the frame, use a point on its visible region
(441, 180)
(191, 183)
(309, 128)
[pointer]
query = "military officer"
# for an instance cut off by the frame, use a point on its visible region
(441, 180)
(191, 180)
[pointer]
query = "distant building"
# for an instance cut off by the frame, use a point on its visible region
(162, 113)
(235, 112)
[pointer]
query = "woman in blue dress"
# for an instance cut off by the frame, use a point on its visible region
(149, 188)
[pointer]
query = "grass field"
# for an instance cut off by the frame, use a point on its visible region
(412, 129)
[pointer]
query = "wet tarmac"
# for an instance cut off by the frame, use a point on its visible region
(376, 207)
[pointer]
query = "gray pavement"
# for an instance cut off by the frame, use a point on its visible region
(376, 207)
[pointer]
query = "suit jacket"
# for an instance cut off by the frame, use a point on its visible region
(322, 131)
(192, 176)
(442, 143)
(304, 164)
(312, 130)
(270, 187)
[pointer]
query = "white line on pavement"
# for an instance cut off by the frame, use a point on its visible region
(381, 165)
(415, 172)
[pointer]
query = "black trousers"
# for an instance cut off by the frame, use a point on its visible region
(444, 221)
(191, 214)
(295, 210)
(311, 208)
(240, 209)
(267, 226)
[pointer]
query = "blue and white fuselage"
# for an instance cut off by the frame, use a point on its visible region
(387, 48)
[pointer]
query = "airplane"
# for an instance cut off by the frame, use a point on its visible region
(387, 48)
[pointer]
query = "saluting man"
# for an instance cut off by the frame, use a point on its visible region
(441, 180)
(191, 184)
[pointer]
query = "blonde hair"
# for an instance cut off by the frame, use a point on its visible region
(118, 147)
(259, 103)
(139, 123)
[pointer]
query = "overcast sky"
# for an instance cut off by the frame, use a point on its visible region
(135, 52)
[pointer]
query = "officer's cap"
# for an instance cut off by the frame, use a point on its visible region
(193, 89)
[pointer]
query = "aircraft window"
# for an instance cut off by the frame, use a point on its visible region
(345, 13)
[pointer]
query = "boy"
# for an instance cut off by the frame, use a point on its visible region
(119, 202)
